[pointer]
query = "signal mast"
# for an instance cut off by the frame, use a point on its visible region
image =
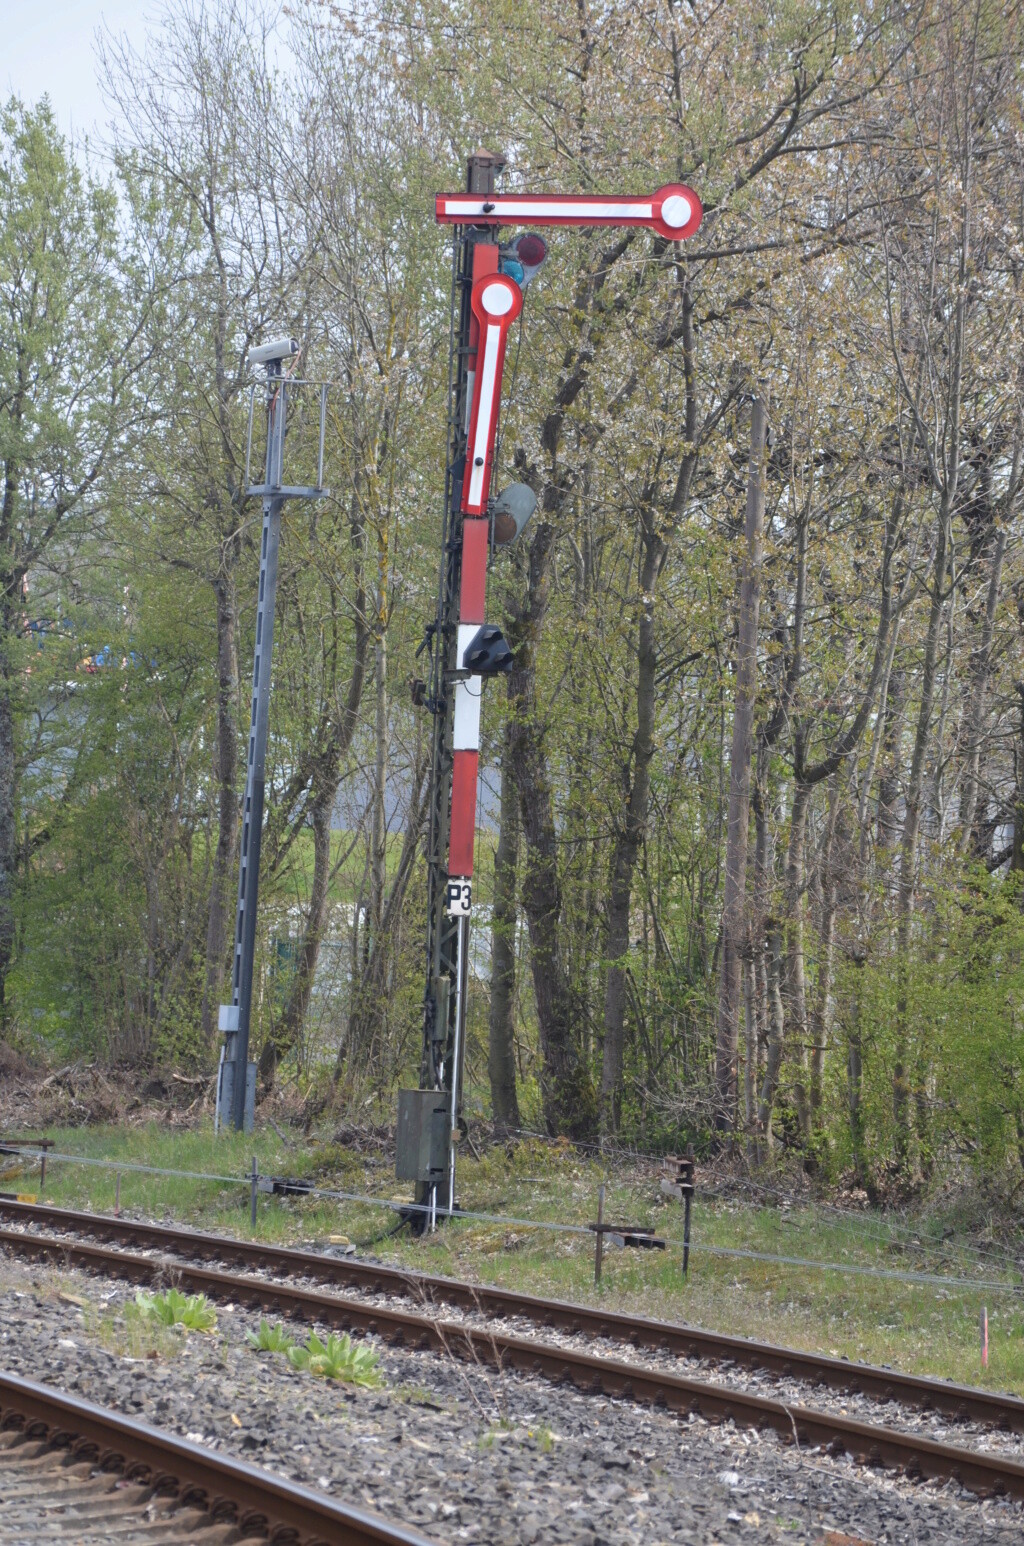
(489, 278)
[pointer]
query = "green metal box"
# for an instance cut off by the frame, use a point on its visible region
(423, 1135)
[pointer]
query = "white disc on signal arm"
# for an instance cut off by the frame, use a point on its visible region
(496, 300)
(676, 211)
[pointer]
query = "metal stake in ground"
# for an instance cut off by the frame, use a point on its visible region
(686, 1170)
(599, 1238)
(236, 1085)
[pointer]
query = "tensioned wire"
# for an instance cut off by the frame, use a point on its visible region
(555, 1227)
(928, 1279)
(749, 1188)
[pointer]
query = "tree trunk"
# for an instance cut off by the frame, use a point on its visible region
(757, 955)
(733, 920)
(796, 976)
(8, 814)
(750, 1059)
(287, 1032)
(855, 1080)
(981, 666)
(887, 820)
(908, 840)
(378, 833)
(567, 1094)
(1017, 853)
(776, 1033)
(501, 1061)
(629, 835)
(818, 1023)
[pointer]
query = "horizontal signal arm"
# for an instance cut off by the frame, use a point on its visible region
(674, 211)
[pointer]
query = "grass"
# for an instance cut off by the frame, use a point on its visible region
(217, 1205)
(923, 1328)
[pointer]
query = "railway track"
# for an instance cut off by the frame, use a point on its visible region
(837, 1432)
(959, 1402)
(72, 1471)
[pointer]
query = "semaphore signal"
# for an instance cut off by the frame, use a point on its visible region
(489, 279)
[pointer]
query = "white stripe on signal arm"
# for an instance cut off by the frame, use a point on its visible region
(485, 413)
(549, 209)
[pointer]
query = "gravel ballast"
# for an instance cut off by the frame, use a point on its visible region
(470, 1455)
(965, 1434)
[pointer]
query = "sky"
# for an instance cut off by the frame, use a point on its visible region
(49, 46)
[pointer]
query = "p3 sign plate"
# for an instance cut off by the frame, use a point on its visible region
(459, 898)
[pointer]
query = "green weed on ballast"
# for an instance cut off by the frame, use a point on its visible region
(173, 1308)
(270, 1339)
(337, 1359)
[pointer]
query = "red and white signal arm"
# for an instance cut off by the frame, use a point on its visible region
(674, 211)
(496, 302)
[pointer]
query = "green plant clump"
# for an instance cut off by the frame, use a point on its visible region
(173, 1308)
(337, 1359)
(270, 1339)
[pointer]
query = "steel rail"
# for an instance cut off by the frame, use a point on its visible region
(961, 1402)
(258, 1501)
(918, 1456)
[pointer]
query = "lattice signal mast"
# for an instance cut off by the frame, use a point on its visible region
(489, 277)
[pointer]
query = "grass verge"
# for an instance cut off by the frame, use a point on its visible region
(920, 1327)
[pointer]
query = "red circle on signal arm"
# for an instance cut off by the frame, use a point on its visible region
(677, 212)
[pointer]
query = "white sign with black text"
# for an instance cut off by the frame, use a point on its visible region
(459, 898)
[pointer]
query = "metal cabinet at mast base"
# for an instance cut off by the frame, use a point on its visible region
(423, 1134)
(225, 1106)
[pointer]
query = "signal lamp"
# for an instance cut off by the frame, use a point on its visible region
(511, 511)
(531, 249)
(528, 253)
(487, 653)
(514, 270)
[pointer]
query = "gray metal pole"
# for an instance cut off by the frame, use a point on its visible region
(236, 1091)
(242, 1113)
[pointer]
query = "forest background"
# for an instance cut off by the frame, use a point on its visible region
(751, 864)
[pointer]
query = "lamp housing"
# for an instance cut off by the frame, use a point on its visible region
(523, 258)
(487, 653)
(511, 511)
